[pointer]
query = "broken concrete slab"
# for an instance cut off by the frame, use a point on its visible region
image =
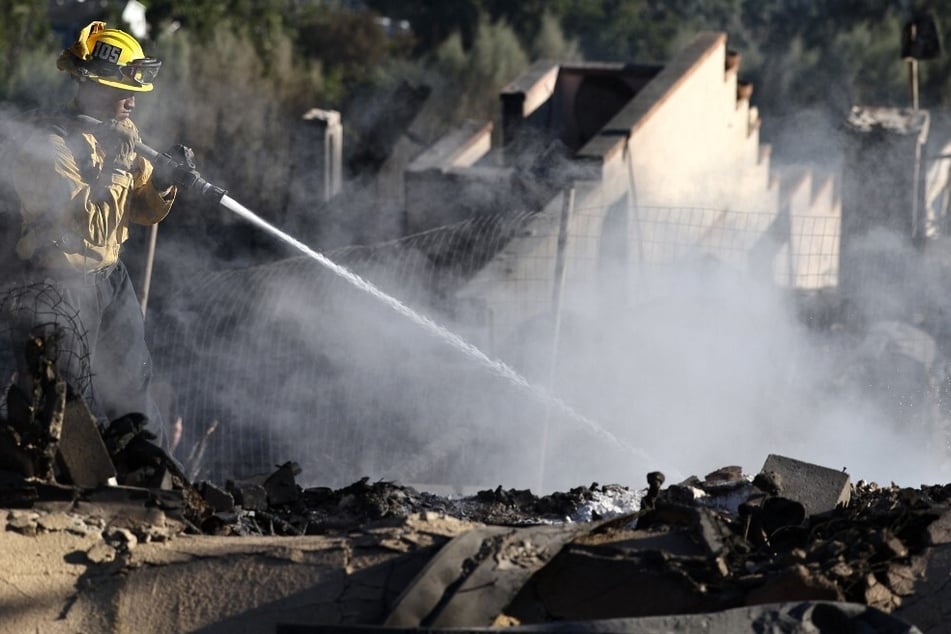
(82, 454)
(585, 582)
(444, 570)
(818, 489)
(178, 585)
(472, 579)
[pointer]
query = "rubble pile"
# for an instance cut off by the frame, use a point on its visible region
(275, 505)
(699, 546)
(702, 545)
(792, 532)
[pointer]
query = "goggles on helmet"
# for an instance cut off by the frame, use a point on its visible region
(139, 72)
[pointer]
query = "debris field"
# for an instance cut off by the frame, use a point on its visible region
(130, 544)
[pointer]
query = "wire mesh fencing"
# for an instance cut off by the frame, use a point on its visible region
(290, 362)
(39, 309)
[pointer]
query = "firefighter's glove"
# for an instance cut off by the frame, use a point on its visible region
(118, 140)
(175, 167)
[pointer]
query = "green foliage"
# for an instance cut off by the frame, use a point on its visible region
(497, 57)
(550, 41)
(352, 46)
(239, 73)
(473, 78)
(26, 45)
(257, 18)
(239, 121)
(434, 22)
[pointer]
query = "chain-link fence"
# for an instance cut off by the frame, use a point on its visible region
(613, 321)
(294, 363)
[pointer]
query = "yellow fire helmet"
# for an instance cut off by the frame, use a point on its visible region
(109, 57)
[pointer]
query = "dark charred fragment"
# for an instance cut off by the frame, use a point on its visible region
(281, 486)
(516, 507)
(218, 500)
(17, 492)
(38, 468)
(35, 408)
(362, 502)
(859, 559)
(769, 482)
(250, 496)
(655, 480)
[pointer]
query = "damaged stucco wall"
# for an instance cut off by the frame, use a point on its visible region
(686, 143)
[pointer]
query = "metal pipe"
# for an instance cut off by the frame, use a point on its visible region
(147, 275)
(558, 286)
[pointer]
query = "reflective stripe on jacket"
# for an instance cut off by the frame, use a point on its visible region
(76, 208)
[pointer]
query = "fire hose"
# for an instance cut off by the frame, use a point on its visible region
(167, 163)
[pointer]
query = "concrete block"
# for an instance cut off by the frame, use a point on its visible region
(818, 489)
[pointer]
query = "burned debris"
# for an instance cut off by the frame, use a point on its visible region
(792, 532)
(32, 437)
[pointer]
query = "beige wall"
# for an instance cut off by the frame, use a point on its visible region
(701, 181)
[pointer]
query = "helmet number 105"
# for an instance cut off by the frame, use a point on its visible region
(106, 52)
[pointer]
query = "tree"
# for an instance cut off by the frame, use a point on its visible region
(434, 22)
(28, 75)
(551, 43)
(475, 76)
(353, 47)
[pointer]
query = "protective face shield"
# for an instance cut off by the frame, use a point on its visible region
(109, 57)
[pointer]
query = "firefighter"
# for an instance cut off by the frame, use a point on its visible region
(80, 183)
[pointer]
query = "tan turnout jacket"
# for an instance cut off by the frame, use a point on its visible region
(76, 207)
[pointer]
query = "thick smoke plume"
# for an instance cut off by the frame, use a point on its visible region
(712, 367)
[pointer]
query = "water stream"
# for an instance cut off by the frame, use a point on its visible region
(496, 366)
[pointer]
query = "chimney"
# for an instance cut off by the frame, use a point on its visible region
(317, 157)
(882, 189)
